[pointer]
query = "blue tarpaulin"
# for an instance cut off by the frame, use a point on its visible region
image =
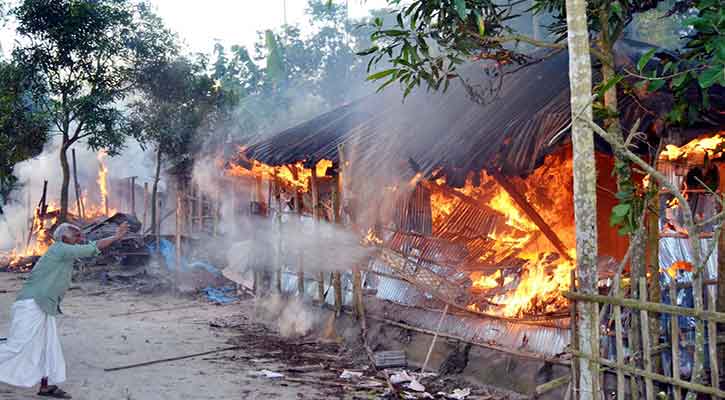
(220, 295)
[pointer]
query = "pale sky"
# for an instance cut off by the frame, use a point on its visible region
(199, 23)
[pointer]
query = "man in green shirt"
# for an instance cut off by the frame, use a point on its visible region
(32, 352)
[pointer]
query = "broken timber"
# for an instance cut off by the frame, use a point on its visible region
(530, 211)
(143, 364)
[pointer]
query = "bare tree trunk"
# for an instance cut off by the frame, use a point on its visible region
(65, 168)
(585, 206)
(155, 192)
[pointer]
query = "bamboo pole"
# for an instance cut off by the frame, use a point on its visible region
(315, 192)
(530, 211)
(651, 307)
(200, 209)
(574, 338)
(300, 255)
(712, 345)
(675, 335)
(77, 186)
(721, 277)
(619, 343)
(646, 348)
(278, 223)
(628, 369)
(158, 222)
(336, 213)
(653, 267)
(133, 195)
(179, 218)
(145, 205)
(435, 337)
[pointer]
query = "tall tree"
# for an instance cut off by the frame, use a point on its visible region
(23, 129)
(179, 106)
(88, 52)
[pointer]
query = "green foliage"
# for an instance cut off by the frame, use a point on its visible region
(178, 109)
(89, 54)
(431, 38)
(627, 213)
(701, 68)
(23, 129)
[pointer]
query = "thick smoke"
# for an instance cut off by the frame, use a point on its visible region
(31, 174)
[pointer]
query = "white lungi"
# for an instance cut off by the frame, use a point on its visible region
(33, 349)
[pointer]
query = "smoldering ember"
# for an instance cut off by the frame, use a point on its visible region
(362, 200)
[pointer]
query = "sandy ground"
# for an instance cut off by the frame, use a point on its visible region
(94, 339)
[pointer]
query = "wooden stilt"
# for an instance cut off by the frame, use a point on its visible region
(336, 276)
(133, 195)
(712, 344)
(300, 255)
(278, 223)
(720, 303)
(179, 219)
(675, 347)
(530, 211)
(316, 215)
(199, 209)
(619, 342)
(79, 195)
(574, 333)
(646, 348)
(653, 268)
(144, 222)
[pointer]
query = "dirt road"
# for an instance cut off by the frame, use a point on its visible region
(94, 339)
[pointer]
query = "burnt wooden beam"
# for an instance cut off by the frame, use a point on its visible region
(530, 211)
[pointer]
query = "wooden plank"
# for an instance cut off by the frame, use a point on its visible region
(531, 212)
(646, 348)
(316, 216)
(435, 337)
(675, 335)
(336, 276)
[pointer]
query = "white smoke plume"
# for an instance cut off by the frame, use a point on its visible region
(133, 161)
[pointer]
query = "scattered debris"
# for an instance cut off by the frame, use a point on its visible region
(390, 359)
(267, 374)
(350, 374)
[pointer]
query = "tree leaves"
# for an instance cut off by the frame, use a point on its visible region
(645, 59)
(461, 8)
(711, 76)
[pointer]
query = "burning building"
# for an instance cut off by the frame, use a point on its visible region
(468, 199)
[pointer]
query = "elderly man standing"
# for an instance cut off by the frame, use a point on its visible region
(32, 352)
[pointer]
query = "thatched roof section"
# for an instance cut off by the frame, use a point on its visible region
(511, 132)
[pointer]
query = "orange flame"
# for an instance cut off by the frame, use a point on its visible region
(295, 176)
(712, 146)
(103, 180)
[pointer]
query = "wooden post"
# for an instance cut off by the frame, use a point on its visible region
(158, 222)
(646, 348)
(77, 186)
(133, 195)
(653, 268)
(435, 337)
(179, 219)
(336, 276)
(619, 342)
(315, 192)
(675, 336)
(200, 208)
(216, 204)
(712, 344)
(720, 306)
(574, 338)
(300, 255)
(530, 211)
(145, 205)
(278, 223)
